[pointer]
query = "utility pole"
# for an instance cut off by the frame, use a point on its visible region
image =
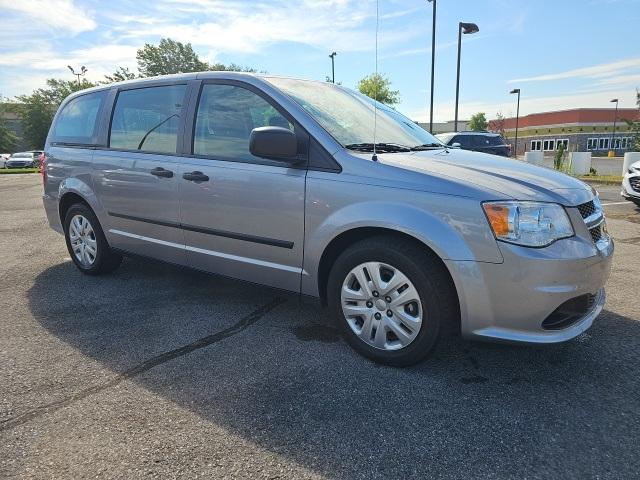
(333, 69)
(433, 62)
(515, 150)
(467, 29)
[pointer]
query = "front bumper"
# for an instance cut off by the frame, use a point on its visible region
(510, 301)
(14, 164)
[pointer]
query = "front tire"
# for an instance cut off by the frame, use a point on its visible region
(391, 299)
(86, 242)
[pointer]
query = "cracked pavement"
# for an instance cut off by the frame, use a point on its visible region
(160, 372)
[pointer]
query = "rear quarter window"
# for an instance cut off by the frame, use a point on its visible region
(77, 121)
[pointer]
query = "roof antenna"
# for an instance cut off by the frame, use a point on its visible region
(375, 91)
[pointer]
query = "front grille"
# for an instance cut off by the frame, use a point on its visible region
(596, 233)
(569, 312)
(635, 183)
(587, 209)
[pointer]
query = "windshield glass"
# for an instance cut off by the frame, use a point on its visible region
(349, 116)
(22, 155)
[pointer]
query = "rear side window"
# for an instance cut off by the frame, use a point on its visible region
(147, 119)
(76, 123)
(487, 141)
(226, 115)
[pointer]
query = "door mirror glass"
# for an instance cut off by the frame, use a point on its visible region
(275, 143)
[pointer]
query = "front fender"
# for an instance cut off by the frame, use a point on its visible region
(455, 228)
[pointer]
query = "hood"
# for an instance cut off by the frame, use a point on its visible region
(512, 178)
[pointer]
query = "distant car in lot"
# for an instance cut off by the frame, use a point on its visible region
(3, 159)
(30, 159)
(279, 181)
(631, 184)
(484, 142)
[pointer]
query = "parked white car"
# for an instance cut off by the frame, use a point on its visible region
(631, 184)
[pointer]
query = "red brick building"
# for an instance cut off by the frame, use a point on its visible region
(579, 130)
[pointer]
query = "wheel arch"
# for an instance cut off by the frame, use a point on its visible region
(352, 236)
(66, 201)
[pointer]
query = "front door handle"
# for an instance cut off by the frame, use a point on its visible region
(161, 172)
(195, 176)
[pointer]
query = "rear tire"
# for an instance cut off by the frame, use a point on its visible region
(374, 320)
(86, 242)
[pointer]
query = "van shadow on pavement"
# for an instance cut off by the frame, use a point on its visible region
(274, 371)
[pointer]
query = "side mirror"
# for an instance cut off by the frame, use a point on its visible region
(276, 143)
(456, 145)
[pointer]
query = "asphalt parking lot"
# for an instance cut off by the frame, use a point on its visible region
(156, 371)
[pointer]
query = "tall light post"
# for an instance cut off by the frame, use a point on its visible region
(333, 69)
(81, 73)
(515, 150)
(433, 62)
(615, 118)
(467, 29)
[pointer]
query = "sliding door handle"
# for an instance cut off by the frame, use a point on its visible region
(195, 176)
(161, 172)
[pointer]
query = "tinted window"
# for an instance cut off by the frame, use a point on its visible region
(147, 119)
(226, 115)
(76, 122)
(486, 141)
(463, 140)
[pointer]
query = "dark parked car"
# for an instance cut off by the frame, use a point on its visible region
(477, 141)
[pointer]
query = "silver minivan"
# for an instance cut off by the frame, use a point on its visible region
(310, 187)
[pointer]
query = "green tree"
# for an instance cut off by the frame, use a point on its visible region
(168, 57)
(36, 111)
(121, 74)
(478, 122)
(378, 87)
(171, 56)
(558, 158)
(8, 139)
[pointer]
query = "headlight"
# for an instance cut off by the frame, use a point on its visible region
(634, 170)
(531, 224)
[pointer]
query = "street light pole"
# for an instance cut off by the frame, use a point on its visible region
(333, 70)
(516, 90)
(433, 62)
(615, 118)
(467, 29)
(81, 73)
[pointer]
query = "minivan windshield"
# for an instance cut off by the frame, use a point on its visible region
(349, 117)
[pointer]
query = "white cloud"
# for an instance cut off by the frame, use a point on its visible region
(596, 71)
(60, 14)
(46, 59)
(232, 27)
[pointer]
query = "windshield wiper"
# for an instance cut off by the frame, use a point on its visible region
(428, 146)
(379, 147)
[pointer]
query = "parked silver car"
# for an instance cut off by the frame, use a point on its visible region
(28, 159)
(276, 181)
(631, 184)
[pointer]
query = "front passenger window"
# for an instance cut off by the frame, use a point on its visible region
(226, 115)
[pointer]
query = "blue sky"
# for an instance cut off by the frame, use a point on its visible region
(562, 53)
